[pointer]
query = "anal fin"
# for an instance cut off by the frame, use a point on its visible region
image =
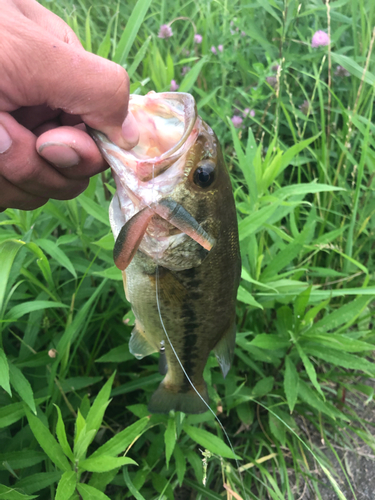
(139, 346)
(224, 349)
(165, 399)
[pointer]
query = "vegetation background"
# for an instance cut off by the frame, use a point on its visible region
(296, 124)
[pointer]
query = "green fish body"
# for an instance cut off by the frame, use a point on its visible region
(175, 225)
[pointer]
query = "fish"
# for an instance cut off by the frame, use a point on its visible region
(174, 220)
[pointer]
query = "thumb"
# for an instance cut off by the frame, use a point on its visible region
(49, 71)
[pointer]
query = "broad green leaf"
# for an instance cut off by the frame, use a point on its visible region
(83, 442)
(80, 426)
(7, 493)
(306, 394)
(285, 256)
(337, 341)
(35, 305)
(88, 45)
(74, 327)
(136, 384)
(209, 441)
(66, 486)
(61, 435)
(118, 354)
(278, 429)
(141, 53)
(191, 77)
(89, 493)
(353, 67)
(112, 273)
(269, 341)
(56, 253)
(130, 32)
(340, 358)
(11, 413)
(22, 386)
(300, 305)
(104, 463)
(4, 374)
(122, 440)
(310, 370)
(47, 442)
(205, 100)
(293, 151)
(105, 44)
(308, 188)
(246, 164)
(291, 383)
(180, 461)
(341, 315)
(244, 296)
(170, 436)
(95, 416)
(8, 252)
(92, 208)
(107, 242)
(39, 481)
(136, 494)
(254, 221)
(195, 461)
(262, 387)
(21, 459)
(100, 480)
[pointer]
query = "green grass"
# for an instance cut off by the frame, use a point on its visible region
(303, 178)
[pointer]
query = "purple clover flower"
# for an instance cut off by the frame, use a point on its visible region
(213, 50)
(174, 86)
(248, 112)
(305, 107)
(340, 71)
(220, 48)
(320, 39)
(185, 69)
(237, 121)
(272, 81)
(198, 38)
(165, 31)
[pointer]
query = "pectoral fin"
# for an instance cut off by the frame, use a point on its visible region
(139, 345)
(130, 238)
(224, 350)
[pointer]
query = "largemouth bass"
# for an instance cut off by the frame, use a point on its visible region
(174, 221)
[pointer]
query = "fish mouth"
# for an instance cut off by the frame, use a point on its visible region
(169, 127)
(132, 232)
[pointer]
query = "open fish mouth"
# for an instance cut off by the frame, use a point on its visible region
(169, 127)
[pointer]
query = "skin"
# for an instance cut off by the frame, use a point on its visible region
(49, 88)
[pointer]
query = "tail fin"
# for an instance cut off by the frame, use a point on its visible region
(164, 399)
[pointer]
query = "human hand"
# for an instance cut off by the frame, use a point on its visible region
(49, 85)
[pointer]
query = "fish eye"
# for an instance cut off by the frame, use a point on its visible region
(204, 174)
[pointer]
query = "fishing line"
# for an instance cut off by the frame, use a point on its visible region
(178, 359)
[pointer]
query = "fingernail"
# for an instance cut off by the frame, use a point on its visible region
(130, 131)
(5, 140)
(61, 155)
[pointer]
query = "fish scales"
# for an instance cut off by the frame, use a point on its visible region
(179, 227)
